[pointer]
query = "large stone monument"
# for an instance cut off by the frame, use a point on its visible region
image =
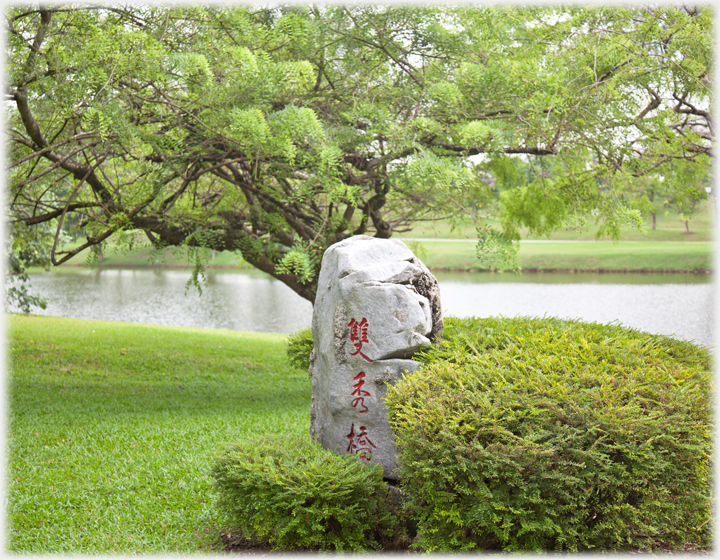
(376, 305)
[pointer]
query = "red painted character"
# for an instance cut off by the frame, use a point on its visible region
(359, 393)
(358, 336)
(360, 443)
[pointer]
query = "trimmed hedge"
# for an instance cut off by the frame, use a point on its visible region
(293, 494)
(537, 434)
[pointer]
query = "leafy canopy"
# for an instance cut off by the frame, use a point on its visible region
(277, 131)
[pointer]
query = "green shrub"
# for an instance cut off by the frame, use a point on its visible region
(299, 345)
(296, 495)
(537, 434)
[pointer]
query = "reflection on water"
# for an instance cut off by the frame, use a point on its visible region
(672, 304)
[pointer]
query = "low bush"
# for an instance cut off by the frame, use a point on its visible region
(299, 345)
(294, 494)
(536, 434)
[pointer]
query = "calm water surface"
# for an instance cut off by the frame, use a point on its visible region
(674, 304)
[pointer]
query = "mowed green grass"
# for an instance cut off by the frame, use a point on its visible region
(460, 254)
(146, 256)
(667, 248)
(113, 428)
(669, 227)
(577, 256)
(623, 256)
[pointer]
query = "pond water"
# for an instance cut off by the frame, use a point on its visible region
(681, 305)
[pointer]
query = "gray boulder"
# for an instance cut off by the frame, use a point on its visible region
(376, 305)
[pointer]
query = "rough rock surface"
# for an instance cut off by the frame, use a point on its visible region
(376, 305)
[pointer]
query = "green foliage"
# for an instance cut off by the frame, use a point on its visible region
(445, 96)
(26, 247)
(479, 133)
(193, 67)
(250, 128)
(295, 494)
(686, 189)
(304, 264)
(197, 246)
(17, 294)
(283, 133)
(94, 119)
(539, 434)
(495, 250)
(299, 346)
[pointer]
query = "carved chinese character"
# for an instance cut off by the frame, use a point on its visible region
(360, 443)
(359, 393)
(358, 336)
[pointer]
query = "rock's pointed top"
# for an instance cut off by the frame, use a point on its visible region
(361, 251)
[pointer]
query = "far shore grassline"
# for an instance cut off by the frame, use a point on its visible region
(460, 255)
(435, 269)
(445, 247)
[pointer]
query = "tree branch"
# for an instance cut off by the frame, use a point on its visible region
(472, 151)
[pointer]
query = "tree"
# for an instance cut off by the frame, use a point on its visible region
(279, 131)
(686, 189)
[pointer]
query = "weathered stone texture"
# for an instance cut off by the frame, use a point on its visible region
(376, 304)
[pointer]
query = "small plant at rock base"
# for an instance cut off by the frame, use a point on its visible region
(295, 494)
(299, 346)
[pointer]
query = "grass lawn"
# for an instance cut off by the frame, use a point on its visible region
(143, 256)
(459, 254)
(667, 248)
(113, 428)
(669, 227)
(577, 256)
